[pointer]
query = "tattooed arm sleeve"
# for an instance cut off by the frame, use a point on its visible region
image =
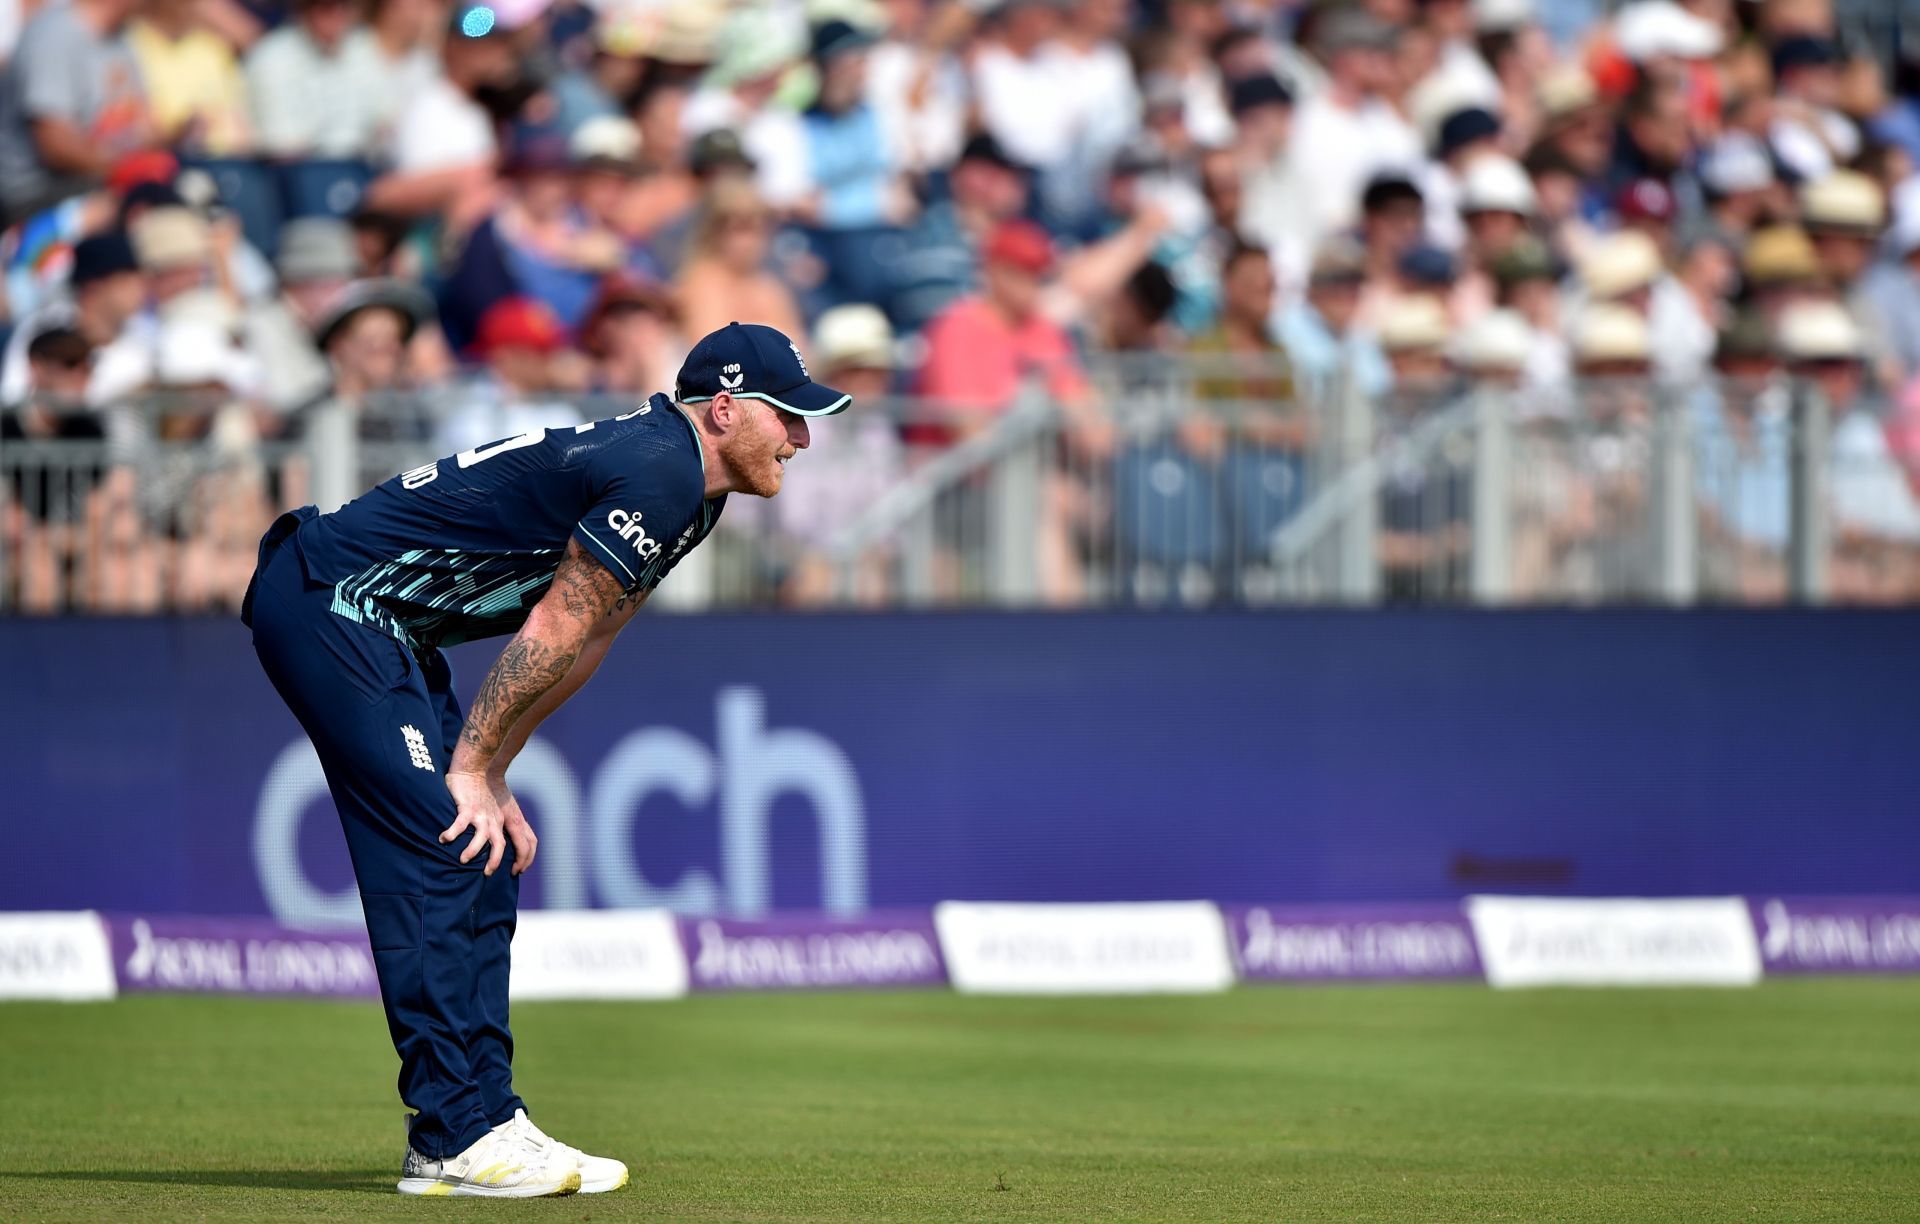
(539, 660)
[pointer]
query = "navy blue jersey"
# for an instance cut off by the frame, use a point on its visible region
(464, 547)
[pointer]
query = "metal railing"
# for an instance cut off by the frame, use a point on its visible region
(1167, 483)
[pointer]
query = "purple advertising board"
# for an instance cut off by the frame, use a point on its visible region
(1838, 934)
(813, 952)
(237, 956)
(893, 761)
(1352, 942)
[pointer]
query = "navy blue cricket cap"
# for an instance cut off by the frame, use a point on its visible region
(754, 361)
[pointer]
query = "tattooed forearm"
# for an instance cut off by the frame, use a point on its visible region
(536, 660)
(527, 668)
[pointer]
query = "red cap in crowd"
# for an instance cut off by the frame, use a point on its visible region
(1020, 244)
(519, 322)
(146, 166)
(1646, 199)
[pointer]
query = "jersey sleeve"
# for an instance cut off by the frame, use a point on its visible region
(633, 517)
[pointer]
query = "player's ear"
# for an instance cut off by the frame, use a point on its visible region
(724, 409)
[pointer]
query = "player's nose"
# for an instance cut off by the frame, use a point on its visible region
(797, 432)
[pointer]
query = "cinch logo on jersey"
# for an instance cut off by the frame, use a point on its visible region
(627, 523)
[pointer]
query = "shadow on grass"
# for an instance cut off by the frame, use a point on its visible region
(351, 1181)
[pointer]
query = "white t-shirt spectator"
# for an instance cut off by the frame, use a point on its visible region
(1100, 79)
(1338, 149)
(442, 128)
(1030, 105)
(1683, 338)
(309, 103)
(927, 136)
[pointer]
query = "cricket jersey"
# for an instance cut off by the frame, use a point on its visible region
(464, 547)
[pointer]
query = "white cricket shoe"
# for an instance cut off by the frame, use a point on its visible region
(598, 1174)
(500, 1164)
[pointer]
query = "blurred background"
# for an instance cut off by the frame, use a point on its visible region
(1218, 364)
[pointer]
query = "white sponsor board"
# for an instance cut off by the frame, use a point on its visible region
(55, 956)
(1576, 941)
(1159, 947)
(597, 954)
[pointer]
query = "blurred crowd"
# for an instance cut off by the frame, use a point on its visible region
(234, 220)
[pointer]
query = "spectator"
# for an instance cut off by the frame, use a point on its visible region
(981, 350)
(71, 106)
(205, 485)
(608, 83)
(444, 146)
(1497, 207)
(607, 187)
(1526, 281)
(1577, 131)
(1413, 335)
(1321, 332)
(365, 335)
(1424, 493)
(1890, 298)
(917, 86)
(840, 478)
(1272, 208)
(1780, 269)
(1134, 323)
(758, 48)
(1026, 101)
(1091, 64)
(1464, 137)
(672, 197)
(176, 252)
(1494, 350)
(725, 277)
(938, 259)
(518, 390)
(855, 195)
(1809, 134)
(106, 293)
(1347, 133)
(1736, 172)
(1875, 515)
(406, 34)
(319, 85)
(1689, 307)
(1844, 215)
(547, 247)
(195, 89)
(316, 260)
(1239, 360)
(39, 521)
(1742, 466)
(630, 335)
(1393, 220)
(1622, 268)
(1247, 417)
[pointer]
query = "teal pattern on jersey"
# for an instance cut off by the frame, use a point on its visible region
(444, 596)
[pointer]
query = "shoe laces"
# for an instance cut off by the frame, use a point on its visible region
(538, 1139)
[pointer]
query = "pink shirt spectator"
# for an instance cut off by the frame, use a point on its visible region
(977, 361)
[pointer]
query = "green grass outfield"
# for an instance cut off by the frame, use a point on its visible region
(1796, 1101)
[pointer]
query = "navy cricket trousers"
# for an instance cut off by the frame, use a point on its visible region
(384, 723)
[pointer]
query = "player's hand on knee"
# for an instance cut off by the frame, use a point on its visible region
(476, 810)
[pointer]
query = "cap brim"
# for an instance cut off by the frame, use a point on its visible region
(809, 399)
